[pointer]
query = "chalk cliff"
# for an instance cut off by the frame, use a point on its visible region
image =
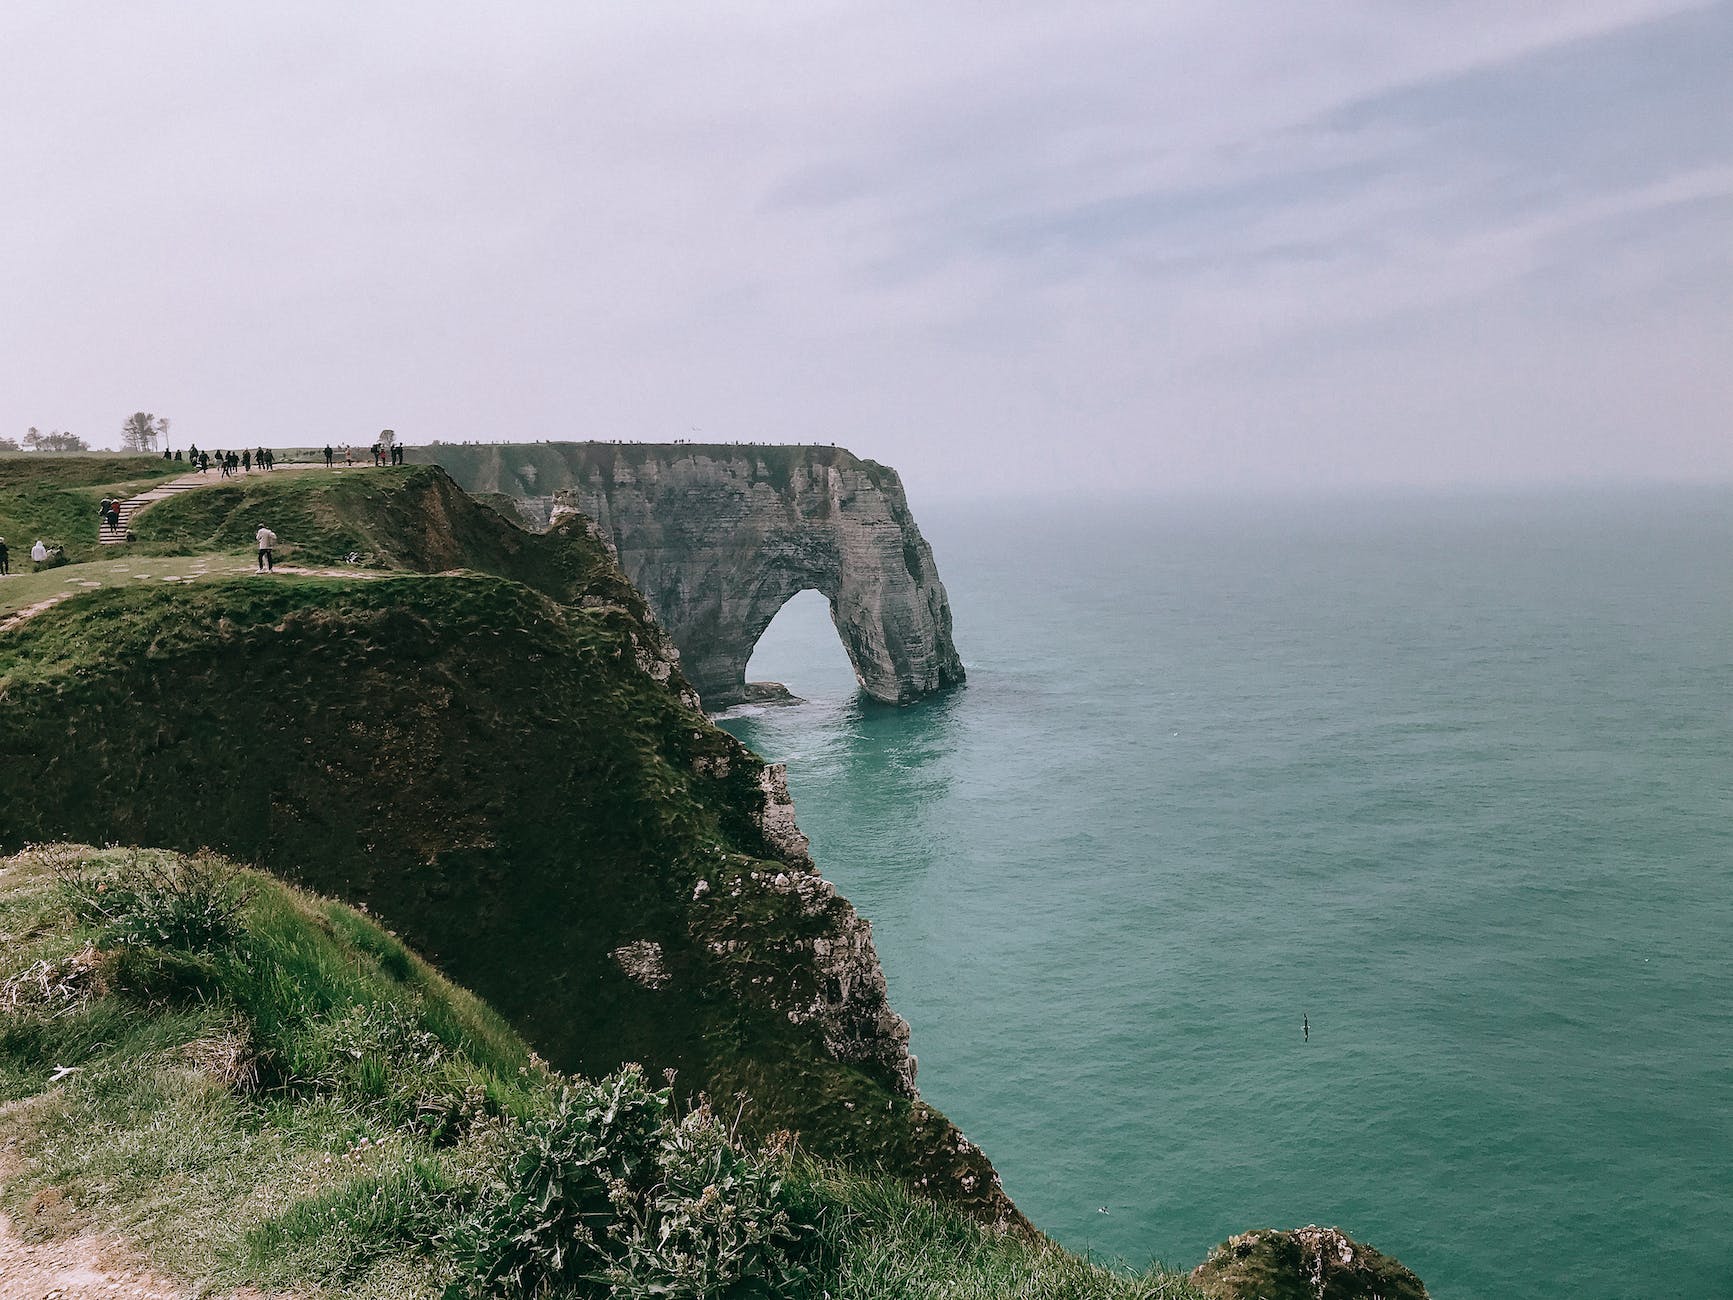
(719, 537)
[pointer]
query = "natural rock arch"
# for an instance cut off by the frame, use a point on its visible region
(720, 537)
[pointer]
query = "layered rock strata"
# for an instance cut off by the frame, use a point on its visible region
(719, 537)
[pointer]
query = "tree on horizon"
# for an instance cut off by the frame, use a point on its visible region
(35, 440)
(141, 431)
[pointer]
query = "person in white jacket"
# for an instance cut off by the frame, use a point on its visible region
(39, 552)
(267, 541)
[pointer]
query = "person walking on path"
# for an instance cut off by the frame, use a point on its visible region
(328, 455)
(246, 462)
(5, 558)
(267, 543)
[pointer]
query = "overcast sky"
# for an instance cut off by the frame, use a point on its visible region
(1000, 246)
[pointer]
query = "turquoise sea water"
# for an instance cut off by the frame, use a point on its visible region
(1452, 777)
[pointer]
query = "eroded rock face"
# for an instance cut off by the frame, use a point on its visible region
(1309, 1263)
(719, 537)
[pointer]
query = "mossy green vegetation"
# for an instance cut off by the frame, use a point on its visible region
(1309, 1263)
(54, 498)
(411, 518)
(258, 1086)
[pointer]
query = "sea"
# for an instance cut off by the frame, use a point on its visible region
(1363, 861)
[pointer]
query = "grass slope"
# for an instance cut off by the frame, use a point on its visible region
(410, 518)
(24, 587)
(55, 498)
(269, 1088)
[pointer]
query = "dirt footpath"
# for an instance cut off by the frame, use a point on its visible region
(73, 1270)
(89, 1267)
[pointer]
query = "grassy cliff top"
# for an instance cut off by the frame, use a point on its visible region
(255, 1085)
(54, 498)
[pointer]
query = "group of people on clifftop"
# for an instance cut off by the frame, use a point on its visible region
(245, 461)
(40, 554)
(229, 462)
(383, 453)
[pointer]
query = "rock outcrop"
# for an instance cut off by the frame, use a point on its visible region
(1309, 1263)
(719, 537)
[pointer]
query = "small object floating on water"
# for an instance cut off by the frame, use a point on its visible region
(1101, 1209)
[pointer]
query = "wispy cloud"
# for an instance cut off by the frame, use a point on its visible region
(1181, 238)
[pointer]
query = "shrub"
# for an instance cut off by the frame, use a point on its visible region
(547, 1224)
(716, 1225)
(606, 1196)
(191, 905)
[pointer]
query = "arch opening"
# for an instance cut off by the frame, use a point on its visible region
(802, 650)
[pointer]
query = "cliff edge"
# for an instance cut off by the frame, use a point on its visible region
(718, 537)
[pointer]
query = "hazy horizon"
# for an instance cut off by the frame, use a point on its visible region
(1006, 250)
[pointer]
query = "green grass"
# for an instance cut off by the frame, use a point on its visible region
(882, 1240)
(153, 1138)
(256, 1126)
(409, 518)
(24, 587)
(54, 498)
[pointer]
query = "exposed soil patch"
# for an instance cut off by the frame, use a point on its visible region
(31, 611)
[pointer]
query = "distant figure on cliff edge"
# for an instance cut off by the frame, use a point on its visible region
(329, 454)
(267, 541)
(1305, 1028)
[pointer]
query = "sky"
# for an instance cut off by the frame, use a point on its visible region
(1006, 247)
